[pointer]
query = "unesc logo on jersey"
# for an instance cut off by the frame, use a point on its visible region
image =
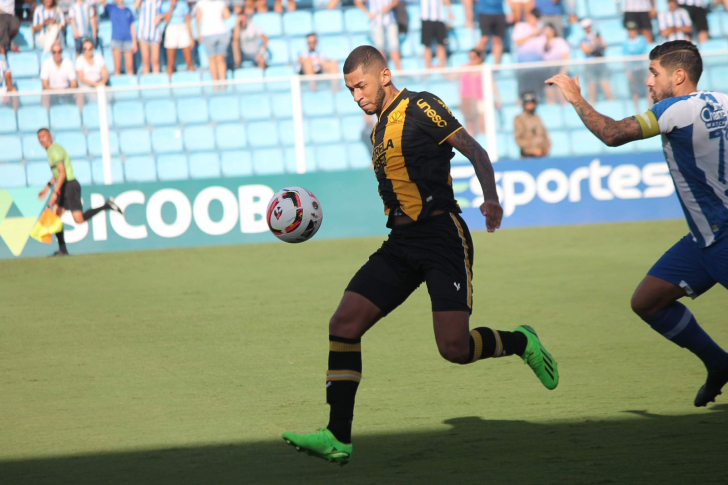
(431, 113)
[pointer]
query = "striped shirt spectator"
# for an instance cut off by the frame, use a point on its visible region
(44, 12)
(432, 10)
(147, 30)
(693, 3)
(637, 5)
(7, 6)
(80, 14)
(675, 24)
(379, 19)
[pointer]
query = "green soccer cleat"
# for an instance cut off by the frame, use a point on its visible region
(321, 444)
(538, 359)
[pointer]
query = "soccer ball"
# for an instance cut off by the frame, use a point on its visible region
(294, 215)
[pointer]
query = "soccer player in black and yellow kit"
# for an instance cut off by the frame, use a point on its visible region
(413, 143)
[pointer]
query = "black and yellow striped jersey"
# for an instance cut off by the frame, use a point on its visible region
(410, 157)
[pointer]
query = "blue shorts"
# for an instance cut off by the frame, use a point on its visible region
(216, 45)
(692, 268)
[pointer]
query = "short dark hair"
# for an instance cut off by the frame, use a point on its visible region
(680, 54)
(476, 52)
(43, 129)
(312, 34)
(364, 56)
(536, 13)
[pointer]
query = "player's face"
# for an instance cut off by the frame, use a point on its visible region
(659, 82)
(45, 139)
(366, 89)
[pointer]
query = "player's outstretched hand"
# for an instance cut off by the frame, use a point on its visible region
(493, 213)
(569, 86)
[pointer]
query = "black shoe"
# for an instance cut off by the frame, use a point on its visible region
(711, 389)
(60, 253)
(112, 205)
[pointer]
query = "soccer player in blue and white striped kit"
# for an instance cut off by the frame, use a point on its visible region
(694, 129)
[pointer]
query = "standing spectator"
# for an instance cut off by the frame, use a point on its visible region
(48, 20)
(82, 17)
(596, 74)
(531, 135)
(471, 95)
(6, 83)
(9, 25)
(278, 6)
(149, 34)
(555, 49)
(552, 12)
(675, 24)
(178, 34)
(640, 12)
(519, 9)
(529, 41)
(91, 66)
(636, 45)
(249, 42)
(213, 34)
(57, 72)
(384, 27)
(698, 11)
(123, 35)
(492, 22)
(432, 15)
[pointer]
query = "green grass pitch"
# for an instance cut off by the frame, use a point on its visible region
(184, 366)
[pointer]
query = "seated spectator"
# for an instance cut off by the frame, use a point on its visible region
(698, 11)
(9, 25)
(636, 45)
(640, 12)
(91, 66)
(552, 12)
(471, 95)
(555, 49)
(123, 35)
(149, 34)
(178, 34)
(596, 74)
(311, 61)
(57, 72)
(529, 41)
(214, 35)
(6, 84)
(531, 135)
(675, 24)
(249, 42)
(519, 9)
(82, 17)
(432, 14)
(48, 22)
(385, 33)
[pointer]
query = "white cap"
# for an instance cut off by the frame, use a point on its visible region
(585, 23)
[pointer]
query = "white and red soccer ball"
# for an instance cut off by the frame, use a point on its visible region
(294, 215)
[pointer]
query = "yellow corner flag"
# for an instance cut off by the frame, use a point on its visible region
(48, 223)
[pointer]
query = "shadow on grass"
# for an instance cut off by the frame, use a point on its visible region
(641, 448)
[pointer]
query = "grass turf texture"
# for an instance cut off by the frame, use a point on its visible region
(184, 366)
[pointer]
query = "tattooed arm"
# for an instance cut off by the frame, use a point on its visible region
(471, 149)
(612, 132)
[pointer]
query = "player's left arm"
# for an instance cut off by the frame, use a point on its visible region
(612, 132)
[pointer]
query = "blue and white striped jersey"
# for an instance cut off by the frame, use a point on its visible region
(694, 3)
(432, 10)
(694, 131)
(636, 5)
(82, 13)
(678, 18)
(42, 14)
(376, 6)
(147, 31)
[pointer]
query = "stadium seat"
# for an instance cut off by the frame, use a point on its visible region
(560, 143)
(508, 114)
(583, 142)
(199, 138)
(612, 30)
(32, 118)
(24, 65)
(715, 25)
(278, 50)
(297, 23)
(279, 72)
(602, 9)
(552, 115)
(236, 164)
(224, 108)
(331, 157)
(508, 90)
(288, 135)
(192, 110)
(94, 143)
(90, 116)
(458, 12)
(105, 37)
(128, 114)
(123, 81)
(155, 80)
(38, 173)
(203, 60)
(73, 141)
(140, 169)
(160, 112)
(614, 109)
(415, 22)
(24, 39)
(328, 22)
(135, 142)
(262, 134)
(359, 156)
(714, 45)
(8, 124)
(204, 165)
(318, 103)
(81, 170)
(345, 103)
(172, 167)
(97, 171)
(295, 46)
(185, 77)
(448, 92)
(282, 105)
(336, 46)
(719, 77)
(230, 136)
(356, 21)
(352, 127)
(12, 175)
(255, 107)
(290, 163)
(268, 161)
(167, 140)
(32, 149)
(65, 117)
(12, 150)
(269, 23)
(653, 144)
(252, 74)
(29, 86)
(325, 130)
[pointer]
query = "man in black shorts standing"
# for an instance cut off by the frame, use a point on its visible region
(698, 11)
(492, 22)
(432, 14)
(429, 242)
(66, 193)
(640, 12)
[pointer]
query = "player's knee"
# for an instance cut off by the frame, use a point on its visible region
(344, 325)
(455, 353)
(642, 307)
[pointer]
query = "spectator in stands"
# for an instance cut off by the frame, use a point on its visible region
(311, 61)
(278, 6)
(48, 22)
(91, 66)
(531, 135)
(149, 34)
(9, 25)
(178, 34)
(530, 41)
(6, 83)
(213, 34)
(123, 35)
(698, 11)
(83, 20)
(249, 42)
(519, 9)
(385, 33)
(640, 12)
(552, 12)
(675, 24)
(555, 49)
(471, 95)
(492, 22)
(57, 72)
(432, 14)
(636, 45)
(597, 74)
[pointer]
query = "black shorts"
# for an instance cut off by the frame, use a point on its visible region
(433, 30)
(642, 19)
(70, 196)
(698, 16)
(437, 250)
(8, 23)
(492, 24)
